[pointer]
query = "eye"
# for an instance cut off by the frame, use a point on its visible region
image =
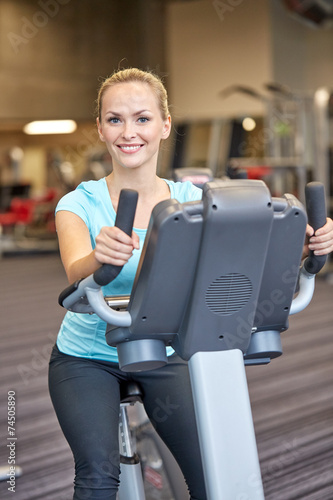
(143, 119)
(113, 119)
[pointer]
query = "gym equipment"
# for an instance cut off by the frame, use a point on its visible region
(238, 252)
(198, 176)
(27, 224)
(282, 143)
(142, 451)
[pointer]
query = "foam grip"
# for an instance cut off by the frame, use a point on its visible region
(124, 220)
(315, 204)
(128, 200)
(316, 210)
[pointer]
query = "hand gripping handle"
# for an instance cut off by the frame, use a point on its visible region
(316, 210)
(124, 220)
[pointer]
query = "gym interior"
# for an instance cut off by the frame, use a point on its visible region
(250, 85)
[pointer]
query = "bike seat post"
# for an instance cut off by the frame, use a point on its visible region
(131, 480)
(130, 393)
(125, 441)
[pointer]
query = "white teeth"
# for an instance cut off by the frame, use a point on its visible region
(130, 148)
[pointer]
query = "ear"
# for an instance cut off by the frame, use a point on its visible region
(166, 128)
(99, 128)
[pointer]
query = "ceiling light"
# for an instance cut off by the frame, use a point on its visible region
(248, 124)
(50, 127)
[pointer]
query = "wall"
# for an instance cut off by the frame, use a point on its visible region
(53, 52)
(289, 47)
(319, 71)
(302, 53)
(212, 45)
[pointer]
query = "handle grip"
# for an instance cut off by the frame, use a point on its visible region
(124, 220)
(128, 200)
(316, 210)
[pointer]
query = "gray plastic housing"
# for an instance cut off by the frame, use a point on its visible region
(206, 272)
(237, 222)
(279, 279)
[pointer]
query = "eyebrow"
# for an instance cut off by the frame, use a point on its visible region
(142, 111)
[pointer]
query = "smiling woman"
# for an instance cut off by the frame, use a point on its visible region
(132, 127)
(133, 119)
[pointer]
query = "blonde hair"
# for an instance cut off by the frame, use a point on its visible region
(136, 75)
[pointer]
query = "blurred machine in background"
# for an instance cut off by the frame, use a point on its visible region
(313, 12)
(288, 146)
(26, 218)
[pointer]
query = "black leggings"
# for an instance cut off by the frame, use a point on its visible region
(85, 395)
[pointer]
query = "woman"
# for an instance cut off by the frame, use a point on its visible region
(133, 119)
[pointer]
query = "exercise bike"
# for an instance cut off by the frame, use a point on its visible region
(238, 252)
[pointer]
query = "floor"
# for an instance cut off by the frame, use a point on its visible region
(292, 398)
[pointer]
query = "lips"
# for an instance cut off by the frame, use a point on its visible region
(129, 148)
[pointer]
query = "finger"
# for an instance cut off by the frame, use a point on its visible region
(324, 251)
(119, 235)
(309, 230)
(114, 247)
(109, 260)
(322, 247)
(325, 237)
(136, 241)
(109, 245)
(109, 250)
(327, 228)
(110, 256)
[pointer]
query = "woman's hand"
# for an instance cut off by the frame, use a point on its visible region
(321, 241)
(115, 247)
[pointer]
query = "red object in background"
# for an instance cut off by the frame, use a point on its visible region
(258, 172)
(153, 477)
(26, 211)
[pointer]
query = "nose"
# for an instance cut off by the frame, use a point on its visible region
(129, 131)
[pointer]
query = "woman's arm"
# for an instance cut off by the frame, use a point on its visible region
(113, 246)
(321, 242)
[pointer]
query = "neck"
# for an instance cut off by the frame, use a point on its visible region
(146, 185)
(151, 190)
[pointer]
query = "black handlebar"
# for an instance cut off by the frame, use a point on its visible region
(316, 210)
(124, 220)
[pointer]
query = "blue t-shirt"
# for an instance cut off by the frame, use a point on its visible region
(83, 335)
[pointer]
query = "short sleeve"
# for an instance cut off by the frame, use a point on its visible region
(80, 202)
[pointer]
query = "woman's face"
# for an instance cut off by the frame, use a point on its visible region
(131, 125)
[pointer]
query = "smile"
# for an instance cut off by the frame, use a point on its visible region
(130, 149)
